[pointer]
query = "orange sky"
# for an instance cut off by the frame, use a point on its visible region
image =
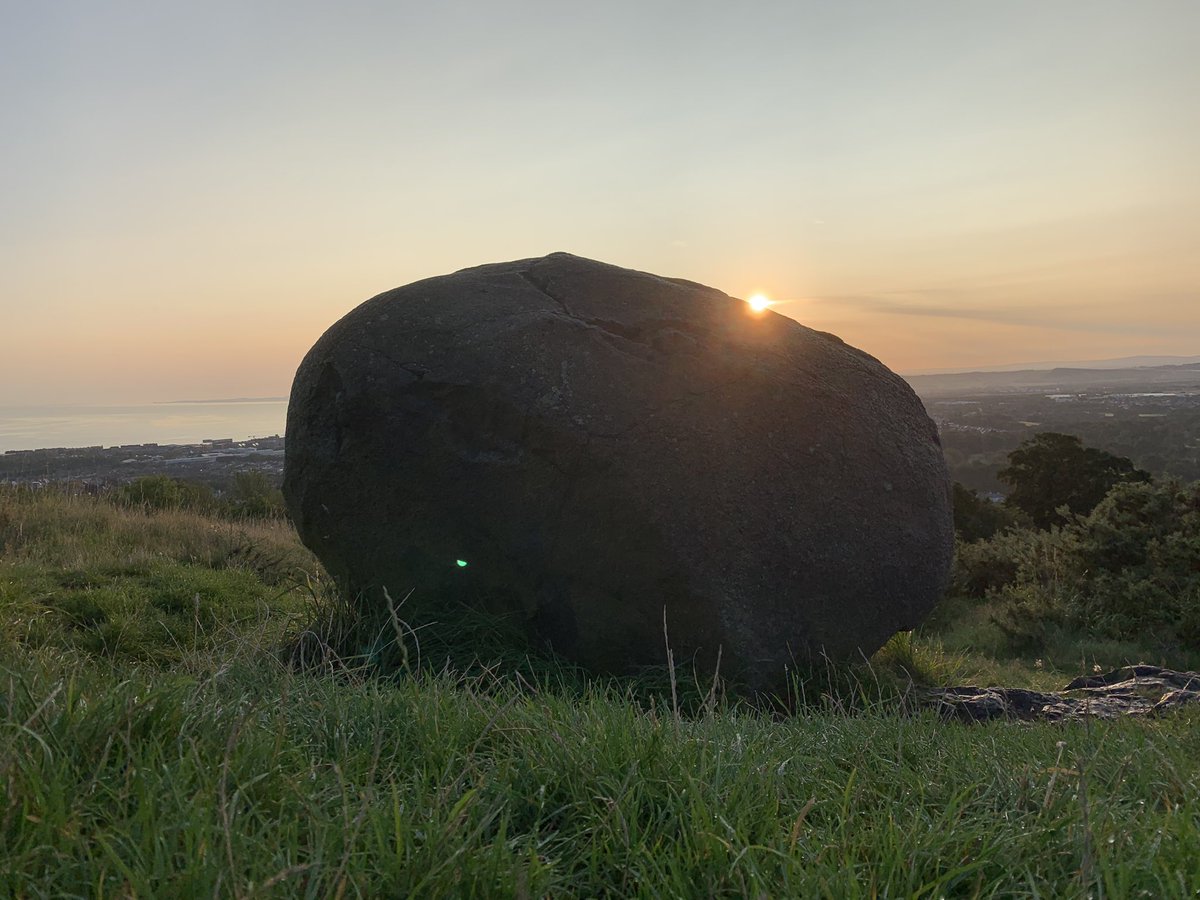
(194, 195)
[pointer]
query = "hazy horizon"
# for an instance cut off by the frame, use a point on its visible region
(194, 194)
(1001, 368)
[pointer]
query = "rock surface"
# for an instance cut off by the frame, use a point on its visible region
(1129, 691)
(598, 444)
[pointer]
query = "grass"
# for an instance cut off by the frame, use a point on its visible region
(83, 575)
(966, 631)
(180, 756)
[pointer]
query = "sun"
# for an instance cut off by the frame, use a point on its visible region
(759, 302)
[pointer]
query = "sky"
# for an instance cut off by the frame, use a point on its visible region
(192, 192)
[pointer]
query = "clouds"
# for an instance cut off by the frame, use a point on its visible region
(958, 305)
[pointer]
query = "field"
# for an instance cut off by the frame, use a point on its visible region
(158, 742)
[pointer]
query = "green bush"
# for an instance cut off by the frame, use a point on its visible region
(253, 496)
(1012, 557)
(163, 492)
(1128, 570)
(978, 518)
(1140, 549)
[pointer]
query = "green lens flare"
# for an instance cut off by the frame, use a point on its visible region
(461, 563)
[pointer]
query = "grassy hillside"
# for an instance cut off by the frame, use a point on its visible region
(156, 744)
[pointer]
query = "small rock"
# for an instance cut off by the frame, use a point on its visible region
(1128, 691)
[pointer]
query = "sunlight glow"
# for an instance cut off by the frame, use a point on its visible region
(759, 302)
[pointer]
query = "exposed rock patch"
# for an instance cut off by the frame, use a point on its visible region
(580, 446)
(1129, 691)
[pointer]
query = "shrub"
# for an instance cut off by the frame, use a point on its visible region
(1015, 556)
(978, 518)
(164, 492)
(1140, 549)
(254, 496)
(1128, 570)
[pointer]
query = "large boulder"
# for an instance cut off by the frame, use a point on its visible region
(602, 447)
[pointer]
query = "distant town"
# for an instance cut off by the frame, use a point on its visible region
(1150, 414)
(213, 462)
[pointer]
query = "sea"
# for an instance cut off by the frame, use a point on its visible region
(38, 427)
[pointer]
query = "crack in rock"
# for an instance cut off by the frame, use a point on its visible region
(415, 370)
(527, 275)
(643, 333)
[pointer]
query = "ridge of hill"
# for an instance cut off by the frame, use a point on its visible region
(1182, 376)
(1122, 362)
